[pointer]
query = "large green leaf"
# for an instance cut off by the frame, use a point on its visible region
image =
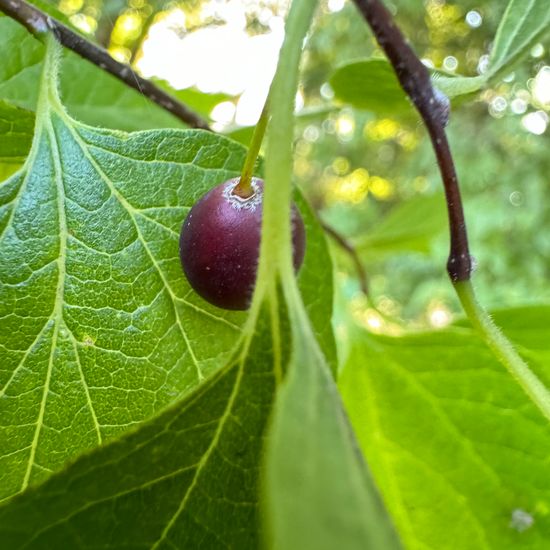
(191, 478)
(98, 327)
(16, 129)
(187, 479)
(459, 451)
(522, 25)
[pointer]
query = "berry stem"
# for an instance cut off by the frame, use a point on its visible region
(352, 253)
(502, 348)
(244, 188)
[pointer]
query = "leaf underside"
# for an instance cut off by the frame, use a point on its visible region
(187, 479)
(458, 449)
(99, 329)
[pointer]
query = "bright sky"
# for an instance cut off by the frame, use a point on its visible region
(217, 59)
(225, 58)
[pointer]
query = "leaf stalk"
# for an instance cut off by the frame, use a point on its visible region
(502, 348)
(244, 188)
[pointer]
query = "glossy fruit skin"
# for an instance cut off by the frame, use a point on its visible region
(220, 244)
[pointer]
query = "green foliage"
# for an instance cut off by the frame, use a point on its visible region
(186, 479)
(454, 443)
(134, 414)
(324, 468)
(426, 219)
(90, 94)
(523, 24)
(371, 85)
(100, 329)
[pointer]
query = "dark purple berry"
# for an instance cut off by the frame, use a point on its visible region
(220, 244)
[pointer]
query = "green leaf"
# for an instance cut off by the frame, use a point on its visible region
(187, 479)
(523, 24)
(442, 422)
(455, 86)
(320, 492)
(21, 64)
(370, 85)
(100, 99)
(242, 135)
(410, 226)
(16, 130)
(200, 102)
(99, 329)
(90, 94)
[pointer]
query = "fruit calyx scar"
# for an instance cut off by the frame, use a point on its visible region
(243, 203)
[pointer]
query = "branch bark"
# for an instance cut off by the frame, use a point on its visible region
(39, 23)
(352, 252)
(433, 107)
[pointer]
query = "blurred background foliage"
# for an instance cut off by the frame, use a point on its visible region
(371, 175)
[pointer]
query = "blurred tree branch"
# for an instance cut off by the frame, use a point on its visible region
(352, 253)
(433, 107)
(39, 23)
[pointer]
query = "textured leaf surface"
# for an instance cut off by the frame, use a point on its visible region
(90, 94)
(98, 327)
(320, 492)
(16, 130)
(522, 25)
(442, 422)
(187, 479)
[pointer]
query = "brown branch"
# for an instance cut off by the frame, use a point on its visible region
(352, 252)
(39, 23)
(433, 107)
